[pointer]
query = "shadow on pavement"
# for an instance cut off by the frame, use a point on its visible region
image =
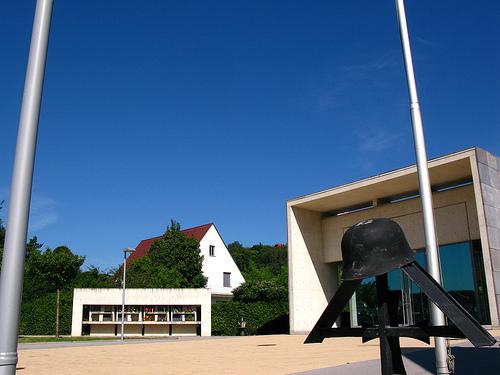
(468, 360)
(418, 361)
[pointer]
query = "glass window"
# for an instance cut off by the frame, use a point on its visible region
(211, 250)
(462, 271)
(227, 279)
(461, 268)
(366, 302)
(480, 283)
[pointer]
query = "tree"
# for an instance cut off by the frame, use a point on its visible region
(143, 273)
(261, 262)
(31, 247)
(93, 277)
(56, 268)
(174, 261)
(240, 255)
(33, 287)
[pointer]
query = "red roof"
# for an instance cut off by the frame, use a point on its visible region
(144, 246)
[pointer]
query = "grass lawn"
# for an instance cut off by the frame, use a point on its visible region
(30, 339)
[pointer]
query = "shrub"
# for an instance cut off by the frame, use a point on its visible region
(264, 290)
(261, 318)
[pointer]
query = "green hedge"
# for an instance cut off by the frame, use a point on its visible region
(38, 317)
(261, 317)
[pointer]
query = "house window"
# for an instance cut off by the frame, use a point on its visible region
(227, 279)
(211, 250)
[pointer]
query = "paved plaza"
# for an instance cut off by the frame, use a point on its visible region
(279, 354)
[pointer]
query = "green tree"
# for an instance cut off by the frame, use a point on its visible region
(174, 261)
(33, 287)
(143, 273)
(31, 247)
(93, 277)
(261, 262)
(240, 255)
(56, 268)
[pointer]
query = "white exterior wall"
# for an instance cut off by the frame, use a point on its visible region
(215, 266)
(201, 297)
(311, 281)
(315, 251)
(486, 172)
(314, 236)
(454, 212)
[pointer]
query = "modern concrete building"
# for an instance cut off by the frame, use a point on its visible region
(466, 198)
(148, 312)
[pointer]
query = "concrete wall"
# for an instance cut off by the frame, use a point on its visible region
(81, 297)
(312, 281)
(463, 213)
(102, 330)
(488, 166)
(156, 330)
(183, 330)
(315, 243)
(215, 266)
(455, 215)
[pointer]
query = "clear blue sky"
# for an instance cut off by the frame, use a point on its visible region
(220, 111)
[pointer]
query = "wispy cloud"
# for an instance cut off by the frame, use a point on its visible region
(370, 66)
(43, 210)
(426, 42)
(345, 83)
(378, 140)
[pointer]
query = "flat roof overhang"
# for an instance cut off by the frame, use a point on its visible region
(443, 170)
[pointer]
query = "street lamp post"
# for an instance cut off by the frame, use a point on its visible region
(431, 250)
(125, 251)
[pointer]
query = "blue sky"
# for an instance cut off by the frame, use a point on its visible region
(220, 111)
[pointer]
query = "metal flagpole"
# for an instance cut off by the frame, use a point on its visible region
(11, 279)
(431, 252)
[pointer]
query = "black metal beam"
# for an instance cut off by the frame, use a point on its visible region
(333, 310)
(420, 333)
(469, 326)
(391, 359)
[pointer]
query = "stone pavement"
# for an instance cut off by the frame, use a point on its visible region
(277, 354)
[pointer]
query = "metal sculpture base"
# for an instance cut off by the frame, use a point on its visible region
(465, 326)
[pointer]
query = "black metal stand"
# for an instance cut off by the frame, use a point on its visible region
(390, 350)
(465, 326)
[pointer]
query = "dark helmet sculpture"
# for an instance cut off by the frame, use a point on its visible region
(374, 247)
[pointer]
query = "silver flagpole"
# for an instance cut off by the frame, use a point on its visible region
(11, 279)
(431, 253)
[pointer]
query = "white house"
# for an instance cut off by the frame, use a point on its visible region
(161, 311)
(218, 266)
